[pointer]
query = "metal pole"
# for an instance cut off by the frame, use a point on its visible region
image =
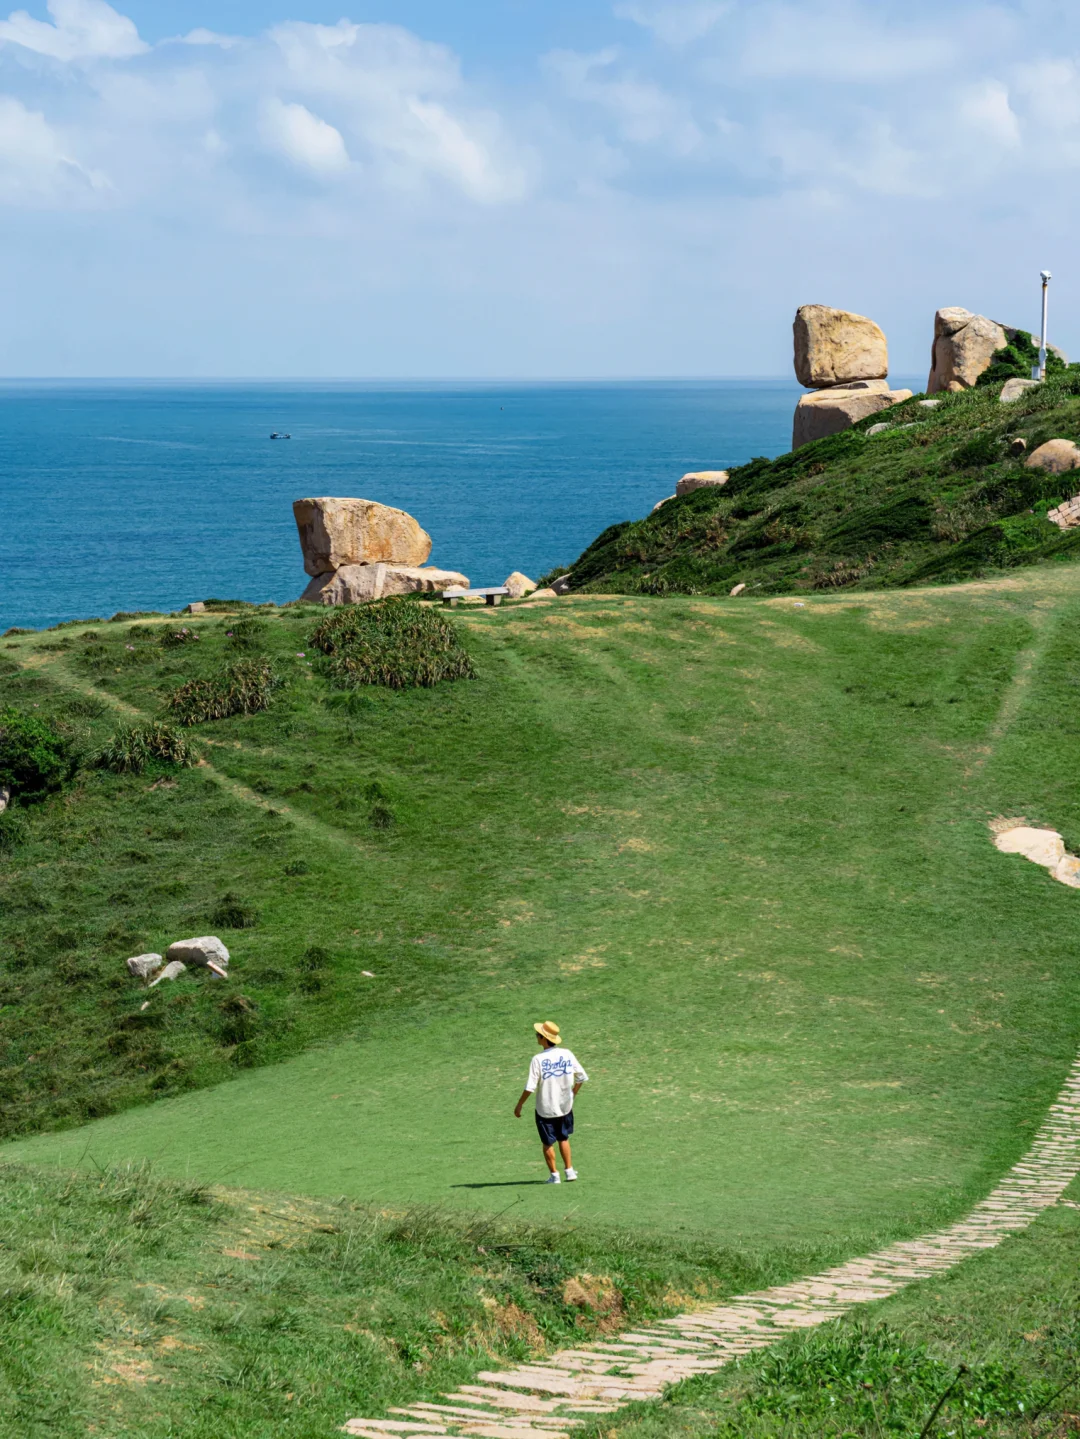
(1042, 341)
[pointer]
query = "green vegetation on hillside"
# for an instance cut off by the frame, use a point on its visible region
(938, 496)
(739, 852)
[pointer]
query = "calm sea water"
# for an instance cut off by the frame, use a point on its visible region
(122, 497)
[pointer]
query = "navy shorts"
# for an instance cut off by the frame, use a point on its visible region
(559, 1126)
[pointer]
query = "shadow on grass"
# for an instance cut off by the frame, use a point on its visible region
(499, 1184)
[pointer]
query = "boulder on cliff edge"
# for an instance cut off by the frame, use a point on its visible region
(337, 532)
(964, 345)
(835, 346)
(827, 412)
(358, 584)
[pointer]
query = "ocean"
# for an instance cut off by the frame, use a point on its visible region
(121, 496)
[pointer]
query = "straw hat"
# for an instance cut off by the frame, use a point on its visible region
(549, 1030)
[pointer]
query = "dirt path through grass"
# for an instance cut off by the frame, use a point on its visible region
(59, 672)
(550, 1397)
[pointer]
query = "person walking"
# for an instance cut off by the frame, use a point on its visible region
(556, 1076)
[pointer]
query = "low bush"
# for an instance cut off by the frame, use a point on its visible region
(34, 757)
(397, 642)
(231, 912)
(246, 633)
(243, 688)
(132, 750)
(172, 639)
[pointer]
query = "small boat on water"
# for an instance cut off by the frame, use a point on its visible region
(275, 436)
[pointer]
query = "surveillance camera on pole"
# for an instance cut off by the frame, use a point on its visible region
(1038, 371)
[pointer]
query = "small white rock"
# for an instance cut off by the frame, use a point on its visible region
(929, 404)
(879, 428)
(142, 966)
(737, 589)
(170, 971)
(367, 974)
(1067, 871)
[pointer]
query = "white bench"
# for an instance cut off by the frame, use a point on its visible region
(492, 596)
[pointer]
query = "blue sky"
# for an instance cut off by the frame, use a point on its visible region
(523, 187)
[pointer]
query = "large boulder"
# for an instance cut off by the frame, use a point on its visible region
(827, 412)
(337, 532)
(700, 480)
(358, 584)
(835, 346)
(204, 952)
(1057, 457)
(518, 585)
(964, 345)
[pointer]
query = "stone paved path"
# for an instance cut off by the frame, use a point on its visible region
(553, 1396)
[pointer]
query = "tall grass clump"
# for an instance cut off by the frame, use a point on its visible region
(172, 639)
(243, 688)
(132, 750)
(397, 642)
(35, 758)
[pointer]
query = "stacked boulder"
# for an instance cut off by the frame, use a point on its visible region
(357, 550)
(844, 359)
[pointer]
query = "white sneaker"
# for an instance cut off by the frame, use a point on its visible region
(554, 1178)
(571, 1174)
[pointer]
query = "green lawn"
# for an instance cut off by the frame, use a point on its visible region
(738, 851)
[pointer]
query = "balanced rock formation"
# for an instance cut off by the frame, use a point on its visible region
(700, 480)
(359, 550)
(337, 532)
(843, 357)
(827, 412)
(835, 346)
(358, 584)
(1056, 456)
(964, 345)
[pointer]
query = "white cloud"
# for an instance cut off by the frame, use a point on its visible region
(304, 138)
(202, 36)
(984, 108)
(675, 24)
(36, 167)
(83, 30)
(643, 111)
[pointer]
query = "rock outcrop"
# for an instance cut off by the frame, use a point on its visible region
(827, 412)
(833, 347)
(173, 970)
(517, 585)
(1013, 390)
(338, 532)
(358, 584)
(964, 345)
(700, 480)
(1057, 457)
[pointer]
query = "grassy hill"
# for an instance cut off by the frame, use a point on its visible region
(738, 849)
(935, 497)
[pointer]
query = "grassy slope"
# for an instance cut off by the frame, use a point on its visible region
(936, 496)
(142, 1307)
(739, 851)
(131, 1305)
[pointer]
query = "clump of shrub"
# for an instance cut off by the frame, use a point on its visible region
(380, 815)
(243, 688)
(314, 963)
(35, 758)
(246, 633)
(231, 912)
(1017, 359)
(397, 642)
(132, 750)
(238, 1019)
(173, 639)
